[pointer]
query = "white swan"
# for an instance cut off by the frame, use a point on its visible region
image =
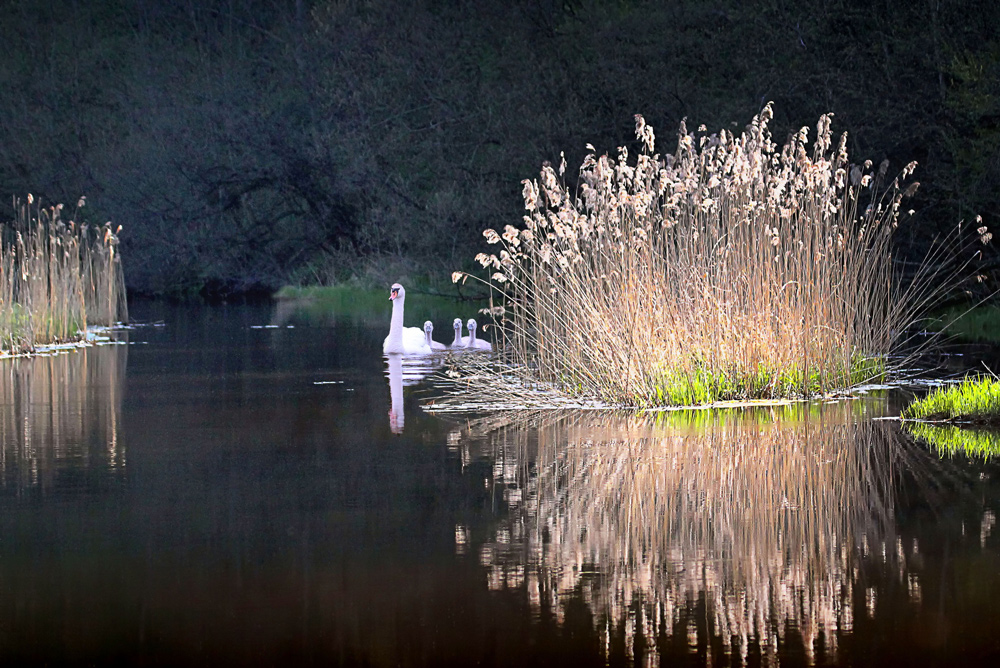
(405, 340)
(460, 340)
(431, 343)
(473, 342)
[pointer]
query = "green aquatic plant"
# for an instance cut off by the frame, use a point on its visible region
(731, 269)
(701, 384)
(15, 326)
(56, 277)
(975, 399)
(950, 439)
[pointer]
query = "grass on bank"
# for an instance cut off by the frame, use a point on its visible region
(976, 399)
(978, 325)
(56, 277)
(731, 269)
(371, 306)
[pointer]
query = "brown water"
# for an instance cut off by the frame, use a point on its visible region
(219, 493)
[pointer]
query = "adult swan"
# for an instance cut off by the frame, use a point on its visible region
(405, 340)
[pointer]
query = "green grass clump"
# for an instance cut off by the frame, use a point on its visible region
(705, 385)
(952, 440)
(975, 399)
(56, 277)
(731, 269)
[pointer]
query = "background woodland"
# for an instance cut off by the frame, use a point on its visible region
(247, 145)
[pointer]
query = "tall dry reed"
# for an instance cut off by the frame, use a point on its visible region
(56, 277)
(731, 269)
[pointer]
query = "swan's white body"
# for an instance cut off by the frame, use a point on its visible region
(431, 343)
(460, 340)
(404, 340)
(473, 342)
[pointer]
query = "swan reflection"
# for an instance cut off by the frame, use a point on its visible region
(728, 527)
(404, 371)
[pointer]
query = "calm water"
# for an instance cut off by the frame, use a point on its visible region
(215, 492)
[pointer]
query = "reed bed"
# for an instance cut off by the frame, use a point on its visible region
(731, 269)
(56, 277)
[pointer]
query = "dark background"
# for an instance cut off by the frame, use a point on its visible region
(245, 145)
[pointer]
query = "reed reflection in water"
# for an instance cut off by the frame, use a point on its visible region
(60, 413)
(727, 528)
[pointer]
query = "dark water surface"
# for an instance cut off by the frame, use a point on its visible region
(219, 493)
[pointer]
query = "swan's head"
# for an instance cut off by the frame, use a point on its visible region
(428, 326)
(396, 292)
(457, 324)
(471, 324)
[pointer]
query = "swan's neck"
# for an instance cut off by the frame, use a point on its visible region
(427, 337)
(472, 336)
(396, 324)
(458, 336)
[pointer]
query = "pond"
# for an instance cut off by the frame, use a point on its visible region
(254, 485)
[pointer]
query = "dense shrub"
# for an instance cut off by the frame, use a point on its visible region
(246, 145)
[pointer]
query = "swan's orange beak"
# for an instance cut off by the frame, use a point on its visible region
(393, 294)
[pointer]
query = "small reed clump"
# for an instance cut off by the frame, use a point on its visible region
(56, 277)
(732, 269)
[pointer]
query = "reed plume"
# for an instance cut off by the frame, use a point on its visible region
(731, 269)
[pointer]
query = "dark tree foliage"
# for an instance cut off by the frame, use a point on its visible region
(247, 144)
